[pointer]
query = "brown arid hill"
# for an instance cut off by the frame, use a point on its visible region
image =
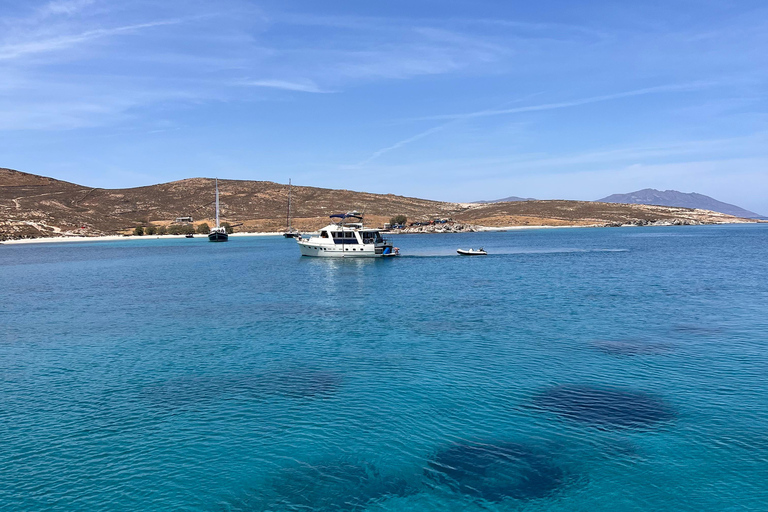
(36, 206)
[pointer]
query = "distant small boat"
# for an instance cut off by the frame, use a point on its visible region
(189, 235)
(472, 252)
(218, 233)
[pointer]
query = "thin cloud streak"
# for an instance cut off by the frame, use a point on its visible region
(13, 51)
(401, 143)
(533, 108)
(574, 103)
(307, 86)
(752, 146)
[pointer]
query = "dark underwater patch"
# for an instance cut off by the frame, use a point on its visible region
(631, 347)
(605, 407)
(497, 471)
(328, 486)
(300, 383)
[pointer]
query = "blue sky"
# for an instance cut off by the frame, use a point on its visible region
(452, 100)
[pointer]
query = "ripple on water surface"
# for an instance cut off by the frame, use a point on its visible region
(497, 471)
(327, 486)
(603, 407)
(294, 383)
(630, 347)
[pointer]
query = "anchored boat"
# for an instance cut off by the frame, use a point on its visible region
(346, 237)
(218, 233)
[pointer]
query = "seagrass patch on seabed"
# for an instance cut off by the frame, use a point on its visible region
(497, 471)
(605, 407)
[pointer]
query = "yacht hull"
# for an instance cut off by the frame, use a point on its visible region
(344, 251)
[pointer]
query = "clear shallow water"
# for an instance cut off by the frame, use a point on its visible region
(571, 369)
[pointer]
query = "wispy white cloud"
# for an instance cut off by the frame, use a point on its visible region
(15, 50)
(753, 145)
(531, 29)
(353, 49)
(539, 29)
(546, 106)
(711, 149)
(66, 7)
(93, 108)
(578, 102)
(400, 144)
(298, 86)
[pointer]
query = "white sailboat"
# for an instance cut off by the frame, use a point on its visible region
(218, 233)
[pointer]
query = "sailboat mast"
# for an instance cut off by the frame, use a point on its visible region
(217, 202)
(288, 217)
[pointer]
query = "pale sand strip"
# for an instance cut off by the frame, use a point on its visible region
(114, 238)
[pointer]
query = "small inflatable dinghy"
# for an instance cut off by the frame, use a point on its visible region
(472, 252)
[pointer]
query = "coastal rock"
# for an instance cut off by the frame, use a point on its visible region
(456, 227)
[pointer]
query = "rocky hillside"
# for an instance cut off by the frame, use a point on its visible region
(586, 213)
(33, 206)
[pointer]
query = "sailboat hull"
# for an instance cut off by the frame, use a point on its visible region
(218, 237)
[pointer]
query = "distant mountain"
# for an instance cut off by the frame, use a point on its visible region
(680, 199)
(510, 199)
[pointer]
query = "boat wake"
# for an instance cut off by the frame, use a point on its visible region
(443, 253)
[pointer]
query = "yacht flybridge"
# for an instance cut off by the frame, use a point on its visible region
(346, 237)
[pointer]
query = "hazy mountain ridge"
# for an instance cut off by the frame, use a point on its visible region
(510, 199)
(37, 206)
(680, 199)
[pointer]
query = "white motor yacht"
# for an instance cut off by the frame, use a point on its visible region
(346, 237)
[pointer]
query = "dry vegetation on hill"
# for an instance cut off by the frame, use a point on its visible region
(34, 206)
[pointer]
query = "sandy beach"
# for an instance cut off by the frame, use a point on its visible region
(114, 238)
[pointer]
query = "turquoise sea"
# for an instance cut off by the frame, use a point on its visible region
(569, 370)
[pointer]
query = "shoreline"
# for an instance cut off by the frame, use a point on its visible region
(115, 238)
(479, 229)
